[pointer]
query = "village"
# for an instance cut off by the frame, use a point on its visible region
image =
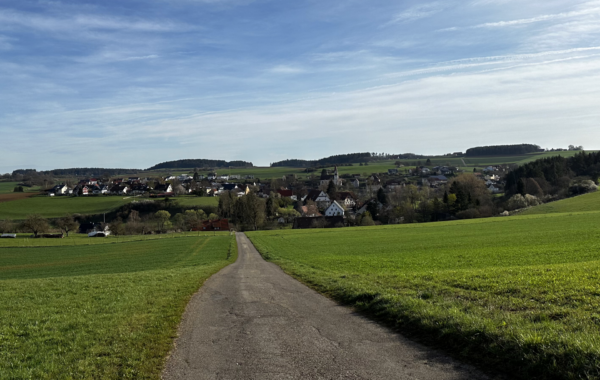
(326, 200)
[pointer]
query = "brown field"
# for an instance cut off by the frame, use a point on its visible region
(15, 196)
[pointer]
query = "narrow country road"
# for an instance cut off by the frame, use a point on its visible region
(252, 321)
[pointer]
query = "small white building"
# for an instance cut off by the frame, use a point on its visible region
(335, 209)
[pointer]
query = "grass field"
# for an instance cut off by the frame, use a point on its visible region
(24, 240)
(53, 207)
(107, 311)
(582, 203)
(8, 187)
(521, 293)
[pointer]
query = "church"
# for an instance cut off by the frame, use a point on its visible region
(325, 179)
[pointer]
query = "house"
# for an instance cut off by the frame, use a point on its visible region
(288, 194)
(249, 176)
(346, 199)
(356, 183)
(166, 188)
(212, 176)
(425, 171)
(392, 171)
(59, 189)
(436, 180)
(227, 187)
(224, 177)
(319, 197)
(493, 189)
(85, 190)
(335, 209)
(319, 222)
(235, 176)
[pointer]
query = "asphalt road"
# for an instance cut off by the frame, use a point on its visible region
(252, 321)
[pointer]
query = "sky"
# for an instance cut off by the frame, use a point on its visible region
(129, 84)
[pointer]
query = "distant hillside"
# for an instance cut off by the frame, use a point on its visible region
(502, 150)
(582, 203)
(327, 161)
(200, 163)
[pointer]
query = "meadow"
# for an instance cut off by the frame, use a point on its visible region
(104, 311)
(54, 207)
(8, 187)
(521, 293)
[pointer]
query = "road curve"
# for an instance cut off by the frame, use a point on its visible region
(252, 321)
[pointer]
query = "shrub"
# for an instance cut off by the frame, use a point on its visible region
(470, 213)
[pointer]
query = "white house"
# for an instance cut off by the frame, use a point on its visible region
(356, 183)
(335, 209)
(319, 197)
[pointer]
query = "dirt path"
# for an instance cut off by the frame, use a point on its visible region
(252, 321)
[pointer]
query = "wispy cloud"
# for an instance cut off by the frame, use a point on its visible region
(531, 20)
(286, 69)
(416, 13)
(10, 19)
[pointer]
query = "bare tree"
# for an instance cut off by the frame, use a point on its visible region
(36, 224)
(67, 224)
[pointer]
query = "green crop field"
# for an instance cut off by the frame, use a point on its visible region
(53, 207)
(107, 311)
(518, 293)
(582, 203)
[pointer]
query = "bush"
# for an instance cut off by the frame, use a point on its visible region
(517, 201)
(471, 213)
(582, 187)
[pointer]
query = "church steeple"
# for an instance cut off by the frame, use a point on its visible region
(335, 176)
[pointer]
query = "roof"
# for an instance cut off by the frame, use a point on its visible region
(285, 193)
(345, 195)
(314, 194)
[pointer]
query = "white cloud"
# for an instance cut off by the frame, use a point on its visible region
(286, 69)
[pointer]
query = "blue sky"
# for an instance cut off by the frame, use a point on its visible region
(133, 83)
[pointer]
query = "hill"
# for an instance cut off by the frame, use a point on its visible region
(582, 203)
(200, 163)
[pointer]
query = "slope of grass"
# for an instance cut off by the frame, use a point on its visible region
(197, 201)
(99, 312)
(582, 203)
(517, 293)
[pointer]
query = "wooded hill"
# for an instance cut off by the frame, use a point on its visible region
(339, 159)
(503, 150)
(200, 163)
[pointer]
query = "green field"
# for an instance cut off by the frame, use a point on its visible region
(8, 187)
(107, 311)
(190, 201)
(582, 203)
(520, 293)
(24, 240)
(54, 207)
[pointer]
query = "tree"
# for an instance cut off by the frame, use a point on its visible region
(162, 217)
(331, 190)
(381, 197)
(366, 219)
(18, 189)
(6, 226)
(428, 162)
(117, 227)
(271, 207)
(213, 216)
(179, 222)
(36, 224)
(67, 224)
